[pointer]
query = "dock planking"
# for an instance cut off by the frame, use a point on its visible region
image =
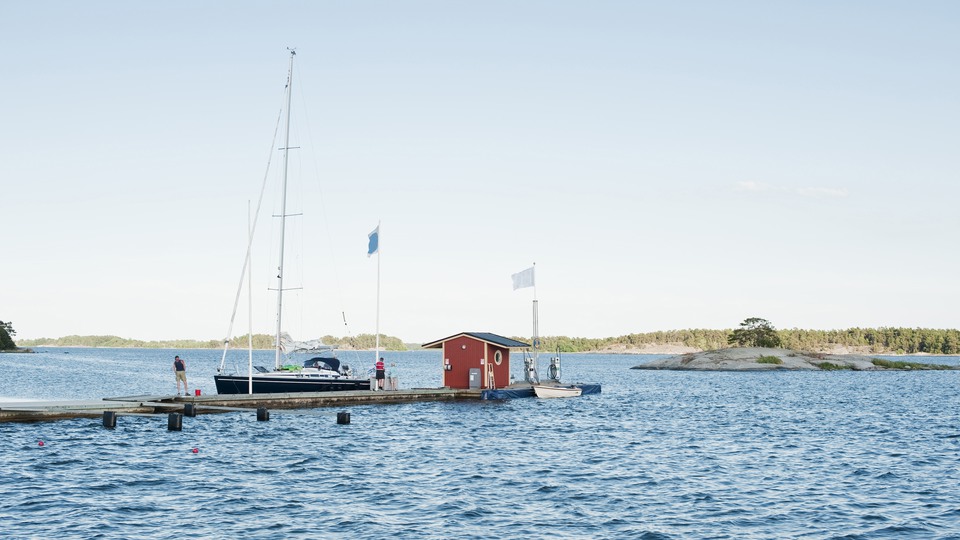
(36, 411)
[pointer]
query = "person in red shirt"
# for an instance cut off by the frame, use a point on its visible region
(379, 366)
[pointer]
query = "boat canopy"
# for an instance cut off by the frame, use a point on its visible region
(323, 362)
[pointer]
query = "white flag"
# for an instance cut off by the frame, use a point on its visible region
(523, 279)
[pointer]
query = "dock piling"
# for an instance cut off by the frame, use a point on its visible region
(262, 414)
(109, 419)
(190, 410)
(175, 422)
(343, 418)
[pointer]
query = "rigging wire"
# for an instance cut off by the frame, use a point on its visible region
(324, 215)
(250, 234)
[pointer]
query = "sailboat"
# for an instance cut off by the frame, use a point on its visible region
(322, 371)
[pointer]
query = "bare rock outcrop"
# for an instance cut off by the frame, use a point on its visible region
(761, 359)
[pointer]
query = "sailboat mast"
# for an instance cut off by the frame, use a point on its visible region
(283, 210)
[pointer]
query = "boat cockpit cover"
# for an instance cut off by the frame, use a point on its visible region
(326, 362)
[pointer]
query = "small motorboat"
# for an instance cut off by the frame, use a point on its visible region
(550, 391)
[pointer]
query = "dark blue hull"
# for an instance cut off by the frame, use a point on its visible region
(239, 384)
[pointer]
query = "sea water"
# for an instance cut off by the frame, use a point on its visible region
(659, 454)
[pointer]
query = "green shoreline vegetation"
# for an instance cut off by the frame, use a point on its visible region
(886, 364)
(260, 341)
(6, 337)
(865, 340)
(868, 340)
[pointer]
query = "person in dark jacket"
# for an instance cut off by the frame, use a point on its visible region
(180, 371)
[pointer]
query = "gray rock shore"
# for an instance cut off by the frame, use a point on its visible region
(746, 359)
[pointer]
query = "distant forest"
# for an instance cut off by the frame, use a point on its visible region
(872, 340)
(260, 341)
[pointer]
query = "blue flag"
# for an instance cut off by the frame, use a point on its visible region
(373, 245)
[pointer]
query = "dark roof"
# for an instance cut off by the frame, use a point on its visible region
(482, 336)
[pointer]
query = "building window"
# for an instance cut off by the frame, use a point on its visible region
(497, 358)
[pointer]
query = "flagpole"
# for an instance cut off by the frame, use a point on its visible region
(377, 351)
(523, 279)
(536, 329)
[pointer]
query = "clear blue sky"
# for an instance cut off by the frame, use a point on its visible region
(666, 164)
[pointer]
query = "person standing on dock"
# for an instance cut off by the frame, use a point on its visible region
(379, 366)
(180, 370)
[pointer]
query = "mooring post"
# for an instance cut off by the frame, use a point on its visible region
(175, 422)
(190, 410)
(109, 419)
(262, 414)
(343, 418)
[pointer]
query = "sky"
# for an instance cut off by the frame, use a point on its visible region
(666, 165)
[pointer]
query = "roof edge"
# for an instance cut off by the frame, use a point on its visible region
(480, 336)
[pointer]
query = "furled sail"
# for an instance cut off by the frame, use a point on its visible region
(289, 345)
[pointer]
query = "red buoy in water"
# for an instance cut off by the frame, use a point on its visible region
(196, 450)
(40, 443)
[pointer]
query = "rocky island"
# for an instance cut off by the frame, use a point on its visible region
(766, 359)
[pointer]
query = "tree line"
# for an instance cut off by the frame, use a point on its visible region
(702, 339)
(877, 340)
(873, 340)
(260, 341)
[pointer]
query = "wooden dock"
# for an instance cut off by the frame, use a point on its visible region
(33, 411)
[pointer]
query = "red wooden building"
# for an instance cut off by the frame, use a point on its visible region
(476, 359)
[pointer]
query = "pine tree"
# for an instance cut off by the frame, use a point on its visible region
(754, 332)
(6, 339)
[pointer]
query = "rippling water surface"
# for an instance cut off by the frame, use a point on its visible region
(658, 454)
